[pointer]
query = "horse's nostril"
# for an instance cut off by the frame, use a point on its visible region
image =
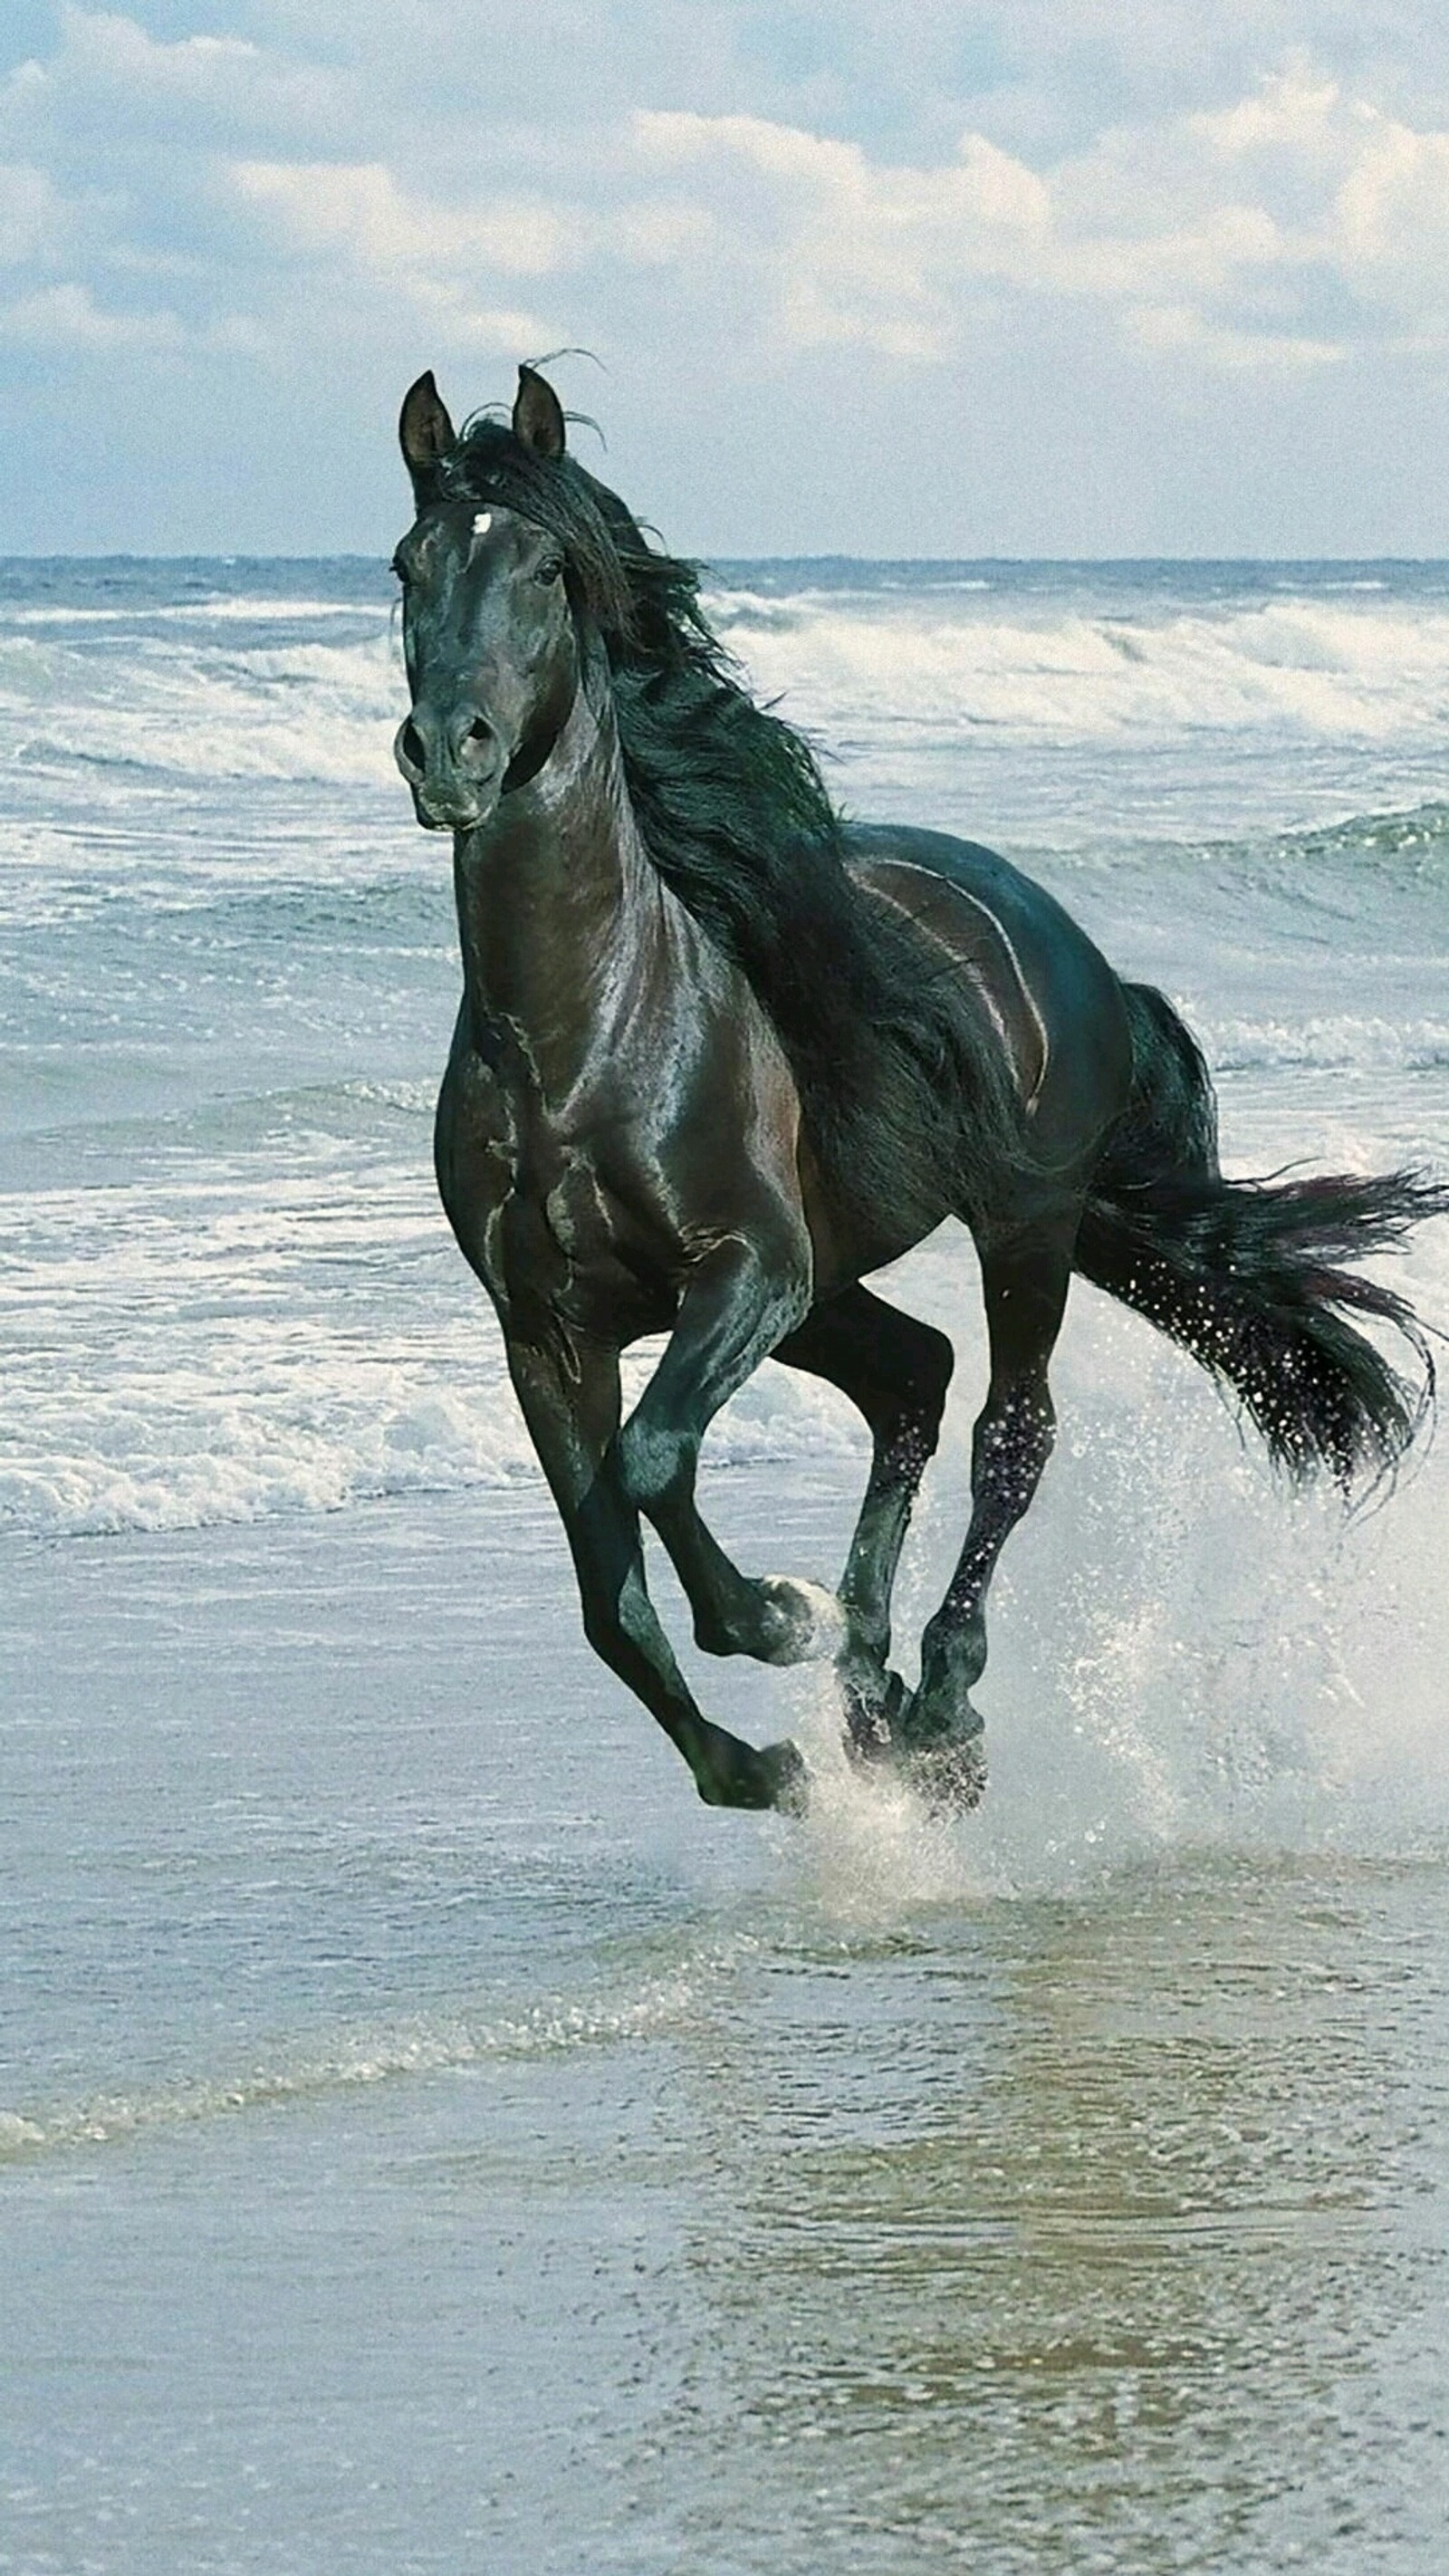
(412, 746)
(479, 731)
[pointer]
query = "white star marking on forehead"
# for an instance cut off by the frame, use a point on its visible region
(482, 523)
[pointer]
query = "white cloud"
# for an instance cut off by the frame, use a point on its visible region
(68, 317)
(1281, 228)
(358, 213)
(107, 49)
(1224, 240)
(1178, 330)
(657, 233)
(107, 67)
(353, 227)
(34, 221)
(849, 250)
(982, 209)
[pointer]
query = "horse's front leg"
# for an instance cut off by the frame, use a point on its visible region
(1025, 1282)
(741, 1299)
(570, 1403)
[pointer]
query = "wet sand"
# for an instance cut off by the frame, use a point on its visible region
(432, 2141)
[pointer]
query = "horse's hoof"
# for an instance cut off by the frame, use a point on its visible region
(874, 1699)
(943, 1762)
(801, 1622)
(788, 1777)
(774, 1776)
(948, 1773)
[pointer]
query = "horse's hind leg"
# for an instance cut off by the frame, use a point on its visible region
(896, 1371)
(1025, 1281)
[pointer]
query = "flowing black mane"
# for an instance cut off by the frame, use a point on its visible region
(735, 816)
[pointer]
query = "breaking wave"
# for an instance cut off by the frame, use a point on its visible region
(963, 659)
(301, 689)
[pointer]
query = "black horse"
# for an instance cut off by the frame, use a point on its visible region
(719, 1055)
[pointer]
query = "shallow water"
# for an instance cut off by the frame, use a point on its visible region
(428, 2139)
(445, 2147)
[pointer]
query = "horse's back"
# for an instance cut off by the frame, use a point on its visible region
(1045, 987)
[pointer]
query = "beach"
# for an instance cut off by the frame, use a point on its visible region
(429, 2138)
(455, 2149)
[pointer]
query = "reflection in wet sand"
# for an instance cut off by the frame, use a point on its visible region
(1092, 2234)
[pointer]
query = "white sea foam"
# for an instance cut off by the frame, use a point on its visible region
(302, 711)
(1183, 1655)
(258, 690)
(270, 1321)
(186, 1352)
(187, 1349)
(1290, 668)
(253, 608)
(1335, 1042)
(426, 2045)
(314, 1431)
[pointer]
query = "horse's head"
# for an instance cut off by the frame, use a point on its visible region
(488, 632)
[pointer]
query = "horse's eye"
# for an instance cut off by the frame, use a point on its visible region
(551, 569)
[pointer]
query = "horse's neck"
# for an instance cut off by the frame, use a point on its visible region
(560, 912)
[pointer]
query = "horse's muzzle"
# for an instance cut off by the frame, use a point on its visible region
(450, 793)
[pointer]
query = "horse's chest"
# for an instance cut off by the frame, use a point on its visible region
(537, 1219)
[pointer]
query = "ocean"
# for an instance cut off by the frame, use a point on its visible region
(429, 2141)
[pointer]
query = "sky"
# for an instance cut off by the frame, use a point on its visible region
(1051, 277)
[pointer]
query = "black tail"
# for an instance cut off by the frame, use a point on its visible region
(1248, 1275)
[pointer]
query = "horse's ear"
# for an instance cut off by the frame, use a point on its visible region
(426, 432)
(538, 419)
